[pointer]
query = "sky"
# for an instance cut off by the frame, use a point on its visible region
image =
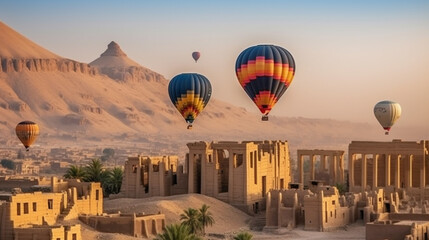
(349, 54)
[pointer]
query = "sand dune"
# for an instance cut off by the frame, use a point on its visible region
(228, 219)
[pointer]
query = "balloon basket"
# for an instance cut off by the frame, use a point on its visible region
(265, 118)
(189, 127)
(386, 133)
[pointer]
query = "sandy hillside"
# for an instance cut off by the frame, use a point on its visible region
(228, 219)
(23, 47)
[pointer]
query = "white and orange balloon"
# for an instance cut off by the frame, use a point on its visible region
(387, 113)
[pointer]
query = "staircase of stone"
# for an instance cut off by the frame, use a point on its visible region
(66, 212)
(257, 223)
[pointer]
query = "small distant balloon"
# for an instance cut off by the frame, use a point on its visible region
(196, 56)
(387, 113)
(190, 93)
(27, 132)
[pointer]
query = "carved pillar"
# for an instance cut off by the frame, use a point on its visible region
(191, 171)
(375, 171)
(341, 165)
(312, 160)
(351, 170)
(301, 168)
(364, 175)
(231, 177)
(397, 171)
(333, 171)
(387, 159)
(423, 173)
(409, 172)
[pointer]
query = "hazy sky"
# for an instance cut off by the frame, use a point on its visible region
(349, 54)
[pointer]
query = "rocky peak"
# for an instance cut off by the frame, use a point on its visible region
(113, 49)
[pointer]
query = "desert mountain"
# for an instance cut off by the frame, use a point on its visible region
(14, 45)
(113, 100)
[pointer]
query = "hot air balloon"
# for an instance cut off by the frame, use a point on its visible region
(27, 132)
(190, 93)
(196, 56)
(265, 72)
(387, 112)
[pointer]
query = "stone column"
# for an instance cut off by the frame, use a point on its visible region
(279, 203)
(312, 160)
(301, 168)
(364, 175)
(341, 164)
(387, 167)
(268, 209)
(138, 177)
(423, 174)
(375, 171)
(409, 172)
(231, 177)
(398, 172)
(334, 175)
(161, 177)
(191, 171)
(203, 165)
(422, 178)
(351, 170)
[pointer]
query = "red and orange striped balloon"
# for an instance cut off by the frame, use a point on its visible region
(265, 72)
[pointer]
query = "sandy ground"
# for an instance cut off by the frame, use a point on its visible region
(229, 220)
(354, 231)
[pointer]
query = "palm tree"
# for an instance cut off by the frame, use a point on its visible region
(113, 180)
(94, 171)
(243, 236)
(190, 218)
(205, 217)
(177, 232)
(75, 172)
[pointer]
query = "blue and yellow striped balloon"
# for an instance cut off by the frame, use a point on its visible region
(265, 72)
(190, 93)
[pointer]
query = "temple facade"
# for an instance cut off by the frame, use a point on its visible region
(239, 173)
(398, 164)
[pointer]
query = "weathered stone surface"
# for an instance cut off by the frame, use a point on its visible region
(9, 65)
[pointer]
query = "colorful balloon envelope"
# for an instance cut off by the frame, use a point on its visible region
(265, 72)
(190, 93)
(196, 56)
(27, 132)
(387, 113)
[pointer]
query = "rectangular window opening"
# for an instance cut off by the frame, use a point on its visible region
(50, 203)
(25, 208)
(18, 209)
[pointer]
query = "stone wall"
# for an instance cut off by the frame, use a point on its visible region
(137, 225)
(9, 65)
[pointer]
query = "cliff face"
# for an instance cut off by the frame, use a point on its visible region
(9, 65)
